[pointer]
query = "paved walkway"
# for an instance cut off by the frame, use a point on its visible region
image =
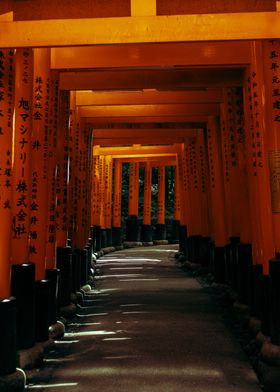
(150, 328)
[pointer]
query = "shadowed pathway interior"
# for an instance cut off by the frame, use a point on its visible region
(146, 327)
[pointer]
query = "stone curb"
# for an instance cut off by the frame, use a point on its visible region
(56, 331)
(33, 356)
(14, 382)
(132, 244)
(68, 310)
(147, 243)
(160, 242)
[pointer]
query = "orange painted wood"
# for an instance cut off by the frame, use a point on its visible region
(71, 152)
(147, 194)
(161, 196)
(102, 190)
(117, 201)
(62, 168)
(177, 209)
(21, 205)
(259, 173)
(95, 190)
(7, 81)
(216, 182)
(108, 191)
(271, 63)
(52, 172)
(39, 166)
(133, 188)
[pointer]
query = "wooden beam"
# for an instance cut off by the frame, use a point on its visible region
(145, 97)
(193, 120)
(139, 150)
(154, 161)
(138, 140)
(171, 28)
(167, 79)
(144, 133)
(141, 136)
(150, 110)
(140, 156)
(151, 55)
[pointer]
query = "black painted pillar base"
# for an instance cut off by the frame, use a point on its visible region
(132, 229)
(42, 293)
(76, 270)
(147, 233)
(219, 264)
(109, 236)
(205, 251)
(183, 240)
(233, 262)
(64, 264)
(175, 231)
(23, 289)
(103, 238)
(244, 263)
(256, 274)
(265, 304)
(274, 295)
(195, 248)
(52, 275)
(160, 233)
(97, 238)
(116, 236)
(84, 267)
(228, 256)
(8, 361)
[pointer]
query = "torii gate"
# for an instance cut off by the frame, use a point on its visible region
(30, 84)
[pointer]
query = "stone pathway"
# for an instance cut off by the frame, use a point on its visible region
(146, 327)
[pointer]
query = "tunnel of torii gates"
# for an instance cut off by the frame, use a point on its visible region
(80, 97)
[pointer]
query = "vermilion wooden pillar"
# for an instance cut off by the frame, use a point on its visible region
(271, 64)
(62, 168)
(245, 226)
(22, 159)
(72, 147)
(160, 227)
(176, 206)
(39, 170)
(177, 209)
(6, 142)
(76, 169)
(228, 149)
(146, 229)
(108, 199)
(88, 185)
(132, 227)
(117, 204)
(52, 172)
(102, 176)
(95, 194)
(194, 187)
(80, 186)
(217, 197)
(185, 223)
(203, 184)
(258, 173)
(95, 199)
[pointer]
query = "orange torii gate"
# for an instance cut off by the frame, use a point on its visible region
(235, 156)
(134, 154)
